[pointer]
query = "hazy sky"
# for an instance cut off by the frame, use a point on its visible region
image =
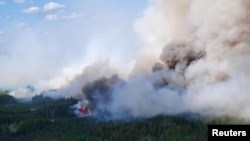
(40, 39)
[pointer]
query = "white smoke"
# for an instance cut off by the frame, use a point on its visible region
(195, 59)
(203, 65)
(47, 55)
(207, 52)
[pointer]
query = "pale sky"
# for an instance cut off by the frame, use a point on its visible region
(40, 38)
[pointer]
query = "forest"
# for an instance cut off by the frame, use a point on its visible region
(47, 119)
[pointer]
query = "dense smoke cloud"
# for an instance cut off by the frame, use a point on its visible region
(203, 50)
(194, 59)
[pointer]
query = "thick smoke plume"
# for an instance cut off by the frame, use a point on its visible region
(202, 50)
(99, 92)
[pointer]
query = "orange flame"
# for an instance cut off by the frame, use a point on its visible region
(83, 108)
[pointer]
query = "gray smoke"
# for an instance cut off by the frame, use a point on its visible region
(100, 91)
(195, 60)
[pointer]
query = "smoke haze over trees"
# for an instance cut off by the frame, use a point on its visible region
(193, 57)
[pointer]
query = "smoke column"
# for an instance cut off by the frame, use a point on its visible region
(195, 59)
(203, 48)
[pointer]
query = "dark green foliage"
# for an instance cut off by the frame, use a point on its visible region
(57, 108)
(52, 121)
(41, 99)
(5, 98)
(3, 92)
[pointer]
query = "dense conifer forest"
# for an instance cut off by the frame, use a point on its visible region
(45, 119)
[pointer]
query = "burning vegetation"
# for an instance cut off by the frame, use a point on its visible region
(202, 64)
(81, 110)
